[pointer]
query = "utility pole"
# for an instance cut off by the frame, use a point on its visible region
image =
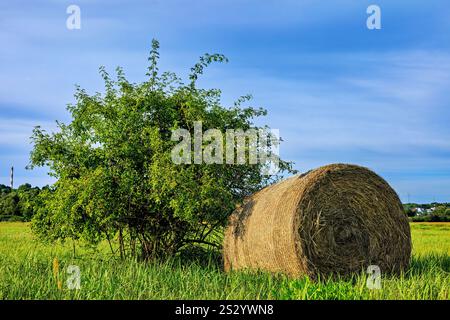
(12, 178)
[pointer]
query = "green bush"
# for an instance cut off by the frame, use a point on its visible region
(431, 218)
(10, 218)
(116, 177)
(19, 202)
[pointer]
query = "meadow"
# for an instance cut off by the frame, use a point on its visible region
(28, 271)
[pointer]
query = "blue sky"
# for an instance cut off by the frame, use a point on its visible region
(337, 91)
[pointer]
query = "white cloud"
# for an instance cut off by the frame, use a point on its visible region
(16, 133)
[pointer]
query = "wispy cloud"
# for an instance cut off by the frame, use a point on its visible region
(16, 133)
(337, 92)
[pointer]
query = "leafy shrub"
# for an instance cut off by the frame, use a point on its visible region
(115, 177)
(11, 218)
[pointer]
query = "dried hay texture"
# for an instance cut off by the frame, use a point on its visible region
(334, 220)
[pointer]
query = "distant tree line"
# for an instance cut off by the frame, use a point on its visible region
(19, 204)
(430, 212)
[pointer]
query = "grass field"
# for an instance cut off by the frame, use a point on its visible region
(27, 272)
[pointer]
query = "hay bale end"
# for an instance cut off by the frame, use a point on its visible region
(337, 219)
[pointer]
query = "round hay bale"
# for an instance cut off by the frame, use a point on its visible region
(334, 220)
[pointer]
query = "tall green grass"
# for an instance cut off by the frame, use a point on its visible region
(26, 272)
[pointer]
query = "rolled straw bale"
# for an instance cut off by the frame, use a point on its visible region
(337, 219)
